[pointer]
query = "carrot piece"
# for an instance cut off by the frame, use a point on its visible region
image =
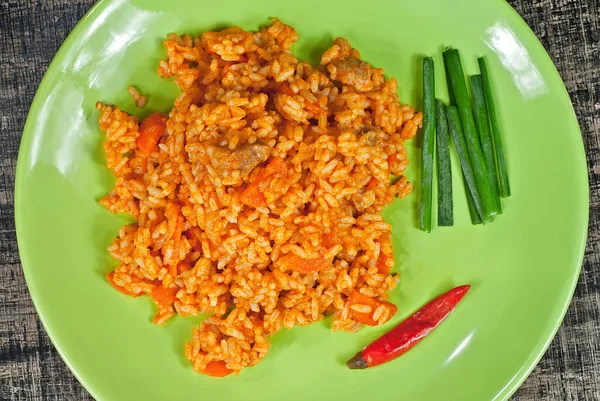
(178, 229)
(382, 262)
(151, 130)
(172, 269)
(385, 261)
(253, 195)
(408, 131)
(237, 192)
(122, 290)
(291, 261)
(372, 183)
(164, 296)
(217, 369)
(285, 88)
(330, 239)
(315, 109)
(358, 298)
(275, 166)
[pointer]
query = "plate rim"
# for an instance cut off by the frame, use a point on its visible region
(29, 132)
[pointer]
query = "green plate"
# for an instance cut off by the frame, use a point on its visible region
(523, 267)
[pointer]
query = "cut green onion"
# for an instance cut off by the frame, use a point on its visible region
(485, 135)
(428, 144)
(504, 187)
(451, 99)
(459, 88)
(460, 145)
(445, 205)
(475, 217)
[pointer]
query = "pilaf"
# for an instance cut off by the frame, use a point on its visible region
(258, 198)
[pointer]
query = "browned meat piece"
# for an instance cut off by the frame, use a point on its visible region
(244, 158)
(352, 72)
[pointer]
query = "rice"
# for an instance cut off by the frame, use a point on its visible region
(261, 203)
(140, 101)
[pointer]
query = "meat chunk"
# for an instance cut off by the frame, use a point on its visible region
(353, 72)
(340, 50)
(245, 158)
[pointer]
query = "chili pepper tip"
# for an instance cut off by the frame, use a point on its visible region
(463, 289)
(357, 362)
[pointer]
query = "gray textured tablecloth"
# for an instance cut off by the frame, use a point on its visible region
(31, 33)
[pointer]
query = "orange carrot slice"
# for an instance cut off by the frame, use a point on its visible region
(164, 296)
(284, 88)
(275, 166)
(151, 130)
(383, 264)
(330, 239)
(217, 369)
(172, 269)
(313, 108)
(293, 262)
(358, 298)
(372, 183)
(253, 195)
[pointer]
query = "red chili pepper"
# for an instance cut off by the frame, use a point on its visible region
(408, 333)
